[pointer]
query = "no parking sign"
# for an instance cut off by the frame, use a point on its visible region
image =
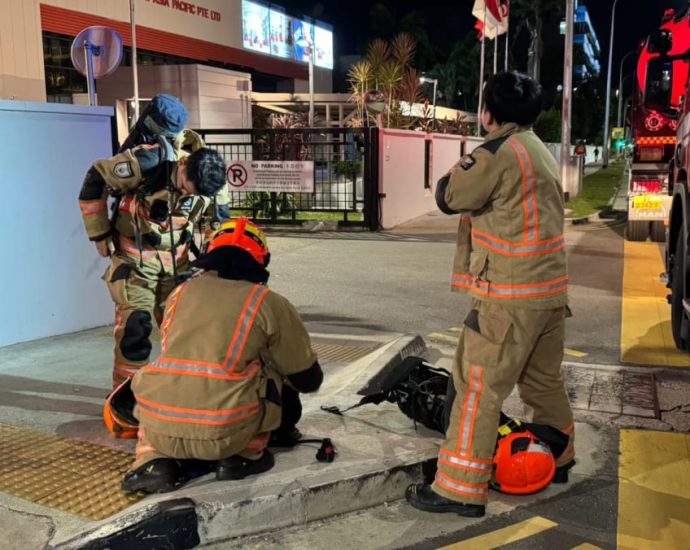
(272, 176)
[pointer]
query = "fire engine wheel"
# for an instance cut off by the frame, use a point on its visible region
(678, 275)
(637, 230)
(658, 232)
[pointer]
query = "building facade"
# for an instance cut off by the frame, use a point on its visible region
(238, 45)
(587, 52)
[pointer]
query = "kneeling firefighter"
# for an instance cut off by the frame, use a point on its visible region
(234, 356)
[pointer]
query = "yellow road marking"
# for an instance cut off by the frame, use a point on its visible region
(507, 535)
(653, 490)
(586, 546)
(443, 337)
(455, 329)
(574, 353)
(646, 337)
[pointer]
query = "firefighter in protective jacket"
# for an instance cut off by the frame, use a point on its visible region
(234, 355)
(162, 193)
(517, 277)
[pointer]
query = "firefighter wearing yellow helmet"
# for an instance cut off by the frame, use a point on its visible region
(234, 356)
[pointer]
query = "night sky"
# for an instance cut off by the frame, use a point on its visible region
(446, 21)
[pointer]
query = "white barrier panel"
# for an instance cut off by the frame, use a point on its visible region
(402, 172)
(50, 275)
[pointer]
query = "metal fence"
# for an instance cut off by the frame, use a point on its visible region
(345, 173)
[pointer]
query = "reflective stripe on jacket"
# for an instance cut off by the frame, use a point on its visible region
(223, 342)
(513, 249)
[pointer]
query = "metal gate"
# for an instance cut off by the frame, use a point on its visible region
(345, 173)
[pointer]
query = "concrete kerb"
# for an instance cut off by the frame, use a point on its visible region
(379, 454)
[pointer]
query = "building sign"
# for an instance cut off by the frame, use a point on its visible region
(272, 176)
(189, 7)
(272, 31)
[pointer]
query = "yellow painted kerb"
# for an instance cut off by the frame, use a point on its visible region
(646, 337)
(654, 491)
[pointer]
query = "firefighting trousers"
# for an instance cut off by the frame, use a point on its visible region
(500, 347)
(244, 442)
(139, 292)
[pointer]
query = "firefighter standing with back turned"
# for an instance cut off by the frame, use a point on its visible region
(163, 191)
(514, 333)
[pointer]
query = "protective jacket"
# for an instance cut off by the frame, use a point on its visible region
(221, 368)
(511, 186)
(140, 179)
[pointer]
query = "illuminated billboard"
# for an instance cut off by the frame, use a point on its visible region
(281, 31)
(273, 32)
(255, 27)
(323, 44)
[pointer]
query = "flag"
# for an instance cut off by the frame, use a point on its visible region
(494, 13)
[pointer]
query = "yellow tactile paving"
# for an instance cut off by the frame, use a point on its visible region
(654, 490)
(69, 475)
(504, 536)
(646, 337)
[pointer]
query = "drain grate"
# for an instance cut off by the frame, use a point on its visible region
(73, 476)
(338, 353)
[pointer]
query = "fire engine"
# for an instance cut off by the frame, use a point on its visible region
(670, 48)
(661, 84)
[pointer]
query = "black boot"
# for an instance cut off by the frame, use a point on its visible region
(237, 467)
(284, 437)
(422, 497)
(561, 475)
(161, 475)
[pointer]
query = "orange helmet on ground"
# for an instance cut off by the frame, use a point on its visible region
(522, 464)
(118, 412)
(244, 234)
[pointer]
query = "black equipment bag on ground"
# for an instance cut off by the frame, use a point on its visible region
(417, 388)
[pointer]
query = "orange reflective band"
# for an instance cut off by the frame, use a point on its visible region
(169, 315)
(475, 490)
(143, 449)
(196, 416)
(470, 464)
(198, 368)
(244, 326)
(93, 208)
(511, 292)
(656, 140)
(529, 182)
(130, 246)
(506, 248)
(469, 411)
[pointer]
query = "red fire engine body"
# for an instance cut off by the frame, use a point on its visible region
(653, 119)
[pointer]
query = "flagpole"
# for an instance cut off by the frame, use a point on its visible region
(507, 47)
(481, 79)
(496, 51)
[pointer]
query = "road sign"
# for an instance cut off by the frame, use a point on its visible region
(272, 176)
(617, 133)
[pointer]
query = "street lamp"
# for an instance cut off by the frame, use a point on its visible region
(620, 88)
(605, 152)
(424, 79)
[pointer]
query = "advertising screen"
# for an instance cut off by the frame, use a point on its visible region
(281, 29)
(302, 36)
(323, 44)
(255, 27)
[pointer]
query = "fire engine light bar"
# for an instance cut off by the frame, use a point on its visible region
(656, 140)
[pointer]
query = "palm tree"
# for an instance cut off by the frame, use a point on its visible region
(391, 76)
(531, 14)
(378, 54)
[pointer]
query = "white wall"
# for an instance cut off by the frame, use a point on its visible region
(401, 172)
(50, 275)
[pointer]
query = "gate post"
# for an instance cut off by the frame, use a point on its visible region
(371, 178)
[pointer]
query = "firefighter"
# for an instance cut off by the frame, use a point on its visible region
(516, 274)
(234, 355)
(162, 193)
